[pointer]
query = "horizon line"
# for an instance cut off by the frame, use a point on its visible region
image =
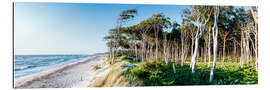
(61, 54)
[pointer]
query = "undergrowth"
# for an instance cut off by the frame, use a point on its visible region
(157, 73)
(160, 74)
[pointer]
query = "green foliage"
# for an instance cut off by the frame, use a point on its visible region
(126, 59)
(157, 73)
(160, 74)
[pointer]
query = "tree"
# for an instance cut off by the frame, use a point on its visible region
(215, 35)
(159, 22)
(201, 16)
(144, 29)
(254, 13)
(226, 27)
(230, 31)
(124, 16)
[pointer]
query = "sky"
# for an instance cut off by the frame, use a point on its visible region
(74, 28)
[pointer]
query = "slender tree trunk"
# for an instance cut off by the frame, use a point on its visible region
(242, 51)
(192, 50)
(215, 35)
(165, 49)
(110, 56)
(143, 46)
(256, 35)
(147, 52)
(151, 52)
(136, 51)
(247, 48)
(219, 54)
(192, 46)
(234, 49)
(156, 40)
(205, 53)
(113, 52)
(224, 47)
(209, 48)
(174, 68)
(202, 57)
(193, 60)
(183, 51)
(176, 53)
(200, 31)
(256, 49)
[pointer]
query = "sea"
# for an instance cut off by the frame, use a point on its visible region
(30, 65)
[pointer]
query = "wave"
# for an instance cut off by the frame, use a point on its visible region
(24, 67)
(31, 64)
(26, 80)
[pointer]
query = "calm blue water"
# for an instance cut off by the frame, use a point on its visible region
(25, 65)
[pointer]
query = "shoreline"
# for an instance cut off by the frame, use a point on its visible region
(77, 74)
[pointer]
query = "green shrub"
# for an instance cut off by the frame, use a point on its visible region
(160, 74)
(157, 73)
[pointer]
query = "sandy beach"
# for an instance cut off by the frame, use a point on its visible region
(78, 75)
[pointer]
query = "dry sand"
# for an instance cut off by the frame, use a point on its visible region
(78, 75)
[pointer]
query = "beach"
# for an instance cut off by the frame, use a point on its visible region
(77, 75)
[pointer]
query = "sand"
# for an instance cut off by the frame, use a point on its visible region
(78, 75)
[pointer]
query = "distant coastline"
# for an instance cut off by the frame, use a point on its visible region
(61, 54)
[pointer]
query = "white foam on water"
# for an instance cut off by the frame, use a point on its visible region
(43, 73)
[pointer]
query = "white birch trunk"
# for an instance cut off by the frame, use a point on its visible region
(215, 35)
(193, 60)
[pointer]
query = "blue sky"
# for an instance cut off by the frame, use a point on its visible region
(74, 28)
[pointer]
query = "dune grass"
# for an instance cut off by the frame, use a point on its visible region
(114, 78)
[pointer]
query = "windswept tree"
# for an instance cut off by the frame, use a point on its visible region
(144, 28)
(124, 16)
(159, 22)
(225, 35)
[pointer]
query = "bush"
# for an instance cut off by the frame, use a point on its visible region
(160, 74)
(157, 73)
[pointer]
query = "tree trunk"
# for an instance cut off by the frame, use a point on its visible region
(247, 48)
(234, 49)
(256, 35)
(110, 56)
(205, 53)
(156, 40)
(176, 53)
(136, 51)
(182, 49)
(165, 49)
(147, 52)
(215, 35)
(209, 48)
(256, 49)
(241, 47)
(193, 60)
(224, 47)
(143, 52)
(192, 46)
(151, 52)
